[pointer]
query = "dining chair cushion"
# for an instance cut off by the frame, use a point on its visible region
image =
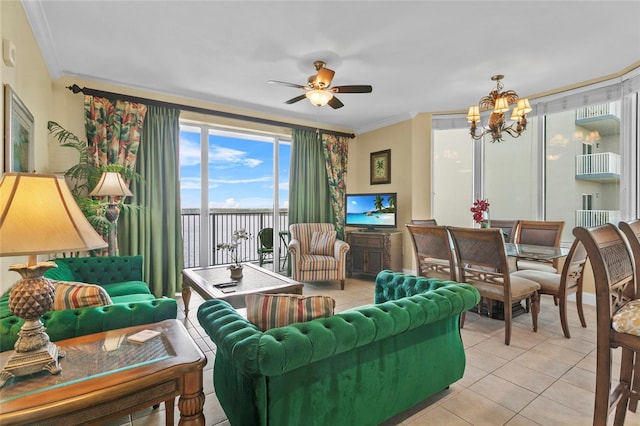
(323, 243)
(627, 319)
(548, 281)
(267, 311)
(536, 266)
(520, 287)
(74, 295)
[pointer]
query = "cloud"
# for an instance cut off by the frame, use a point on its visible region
(232, 156)
(233, 181)
(189, 153)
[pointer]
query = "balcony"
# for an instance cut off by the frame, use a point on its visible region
(222, 223)
(601, 167)
(603, 118)
(592, 218)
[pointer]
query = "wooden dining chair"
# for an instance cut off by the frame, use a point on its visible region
(482, 262)
(508, 227)
(617, 311)
(560, 286)
(539, 233)
(432, 249)
(431, 222)
(631, 231)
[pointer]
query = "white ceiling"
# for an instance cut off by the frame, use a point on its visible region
(419, 56)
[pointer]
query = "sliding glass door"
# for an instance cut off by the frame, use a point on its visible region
(231, 180)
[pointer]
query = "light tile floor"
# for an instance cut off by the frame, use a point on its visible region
(540, 379)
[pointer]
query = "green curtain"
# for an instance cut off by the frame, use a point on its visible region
(336, 152)
(154, 228)
(309, 200)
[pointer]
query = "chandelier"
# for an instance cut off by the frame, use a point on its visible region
(499, 102)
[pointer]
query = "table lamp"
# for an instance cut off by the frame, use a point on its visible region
(111, 185)
(38, 215)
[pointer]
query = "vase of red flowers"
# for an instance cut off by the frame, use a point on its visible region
(480, 212)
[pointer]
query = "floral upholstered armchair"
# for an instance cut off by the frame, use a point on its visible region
(316, 253)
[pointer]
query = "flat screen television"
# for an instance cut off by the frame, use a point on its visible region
(371, 211)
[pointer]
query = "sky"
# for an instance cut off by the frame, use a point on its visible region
(240, 170)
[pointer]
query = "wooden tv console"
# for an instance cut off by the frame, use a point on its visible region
(373, 251)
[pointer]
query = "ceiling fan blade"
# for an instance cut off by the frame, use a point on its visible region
(284, 83)
(356, 88)
(296, 99)
(335, 103)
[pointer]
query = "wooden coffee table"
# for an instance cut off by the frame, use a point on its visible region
(207, 283)
(104, 376)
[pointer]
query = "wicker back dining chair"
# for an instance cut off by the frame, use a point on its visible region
(430, 222)
(560, 286)
(508, 227)
(631, 230)
(617, 312)
(539, 233)
(432, 249)
(482, 262)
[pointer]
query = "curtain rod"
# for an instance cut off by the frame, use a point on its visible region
(93, 92)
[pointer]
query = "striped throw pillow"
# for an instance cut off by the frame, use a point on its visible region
(323, 243)
(72, 295)
(277, 310)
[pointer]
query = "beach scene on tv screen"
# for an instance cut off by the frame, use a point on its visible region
(374, 210)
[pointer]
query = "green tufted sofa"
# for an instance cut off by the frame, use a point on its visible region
(121, 276)
(358, 367)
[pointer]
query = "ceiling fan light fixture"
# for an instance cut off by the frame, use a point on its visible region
(319, 97)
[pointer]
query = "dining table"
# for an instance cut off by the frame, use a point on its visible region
(527, 252)
(534, 252)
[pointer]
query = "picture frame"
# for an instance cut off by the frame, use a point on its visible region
(19, 132)
(380, 167)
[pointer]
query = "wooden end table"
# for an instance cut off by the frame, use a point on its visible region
(104, 376)
(207, 283)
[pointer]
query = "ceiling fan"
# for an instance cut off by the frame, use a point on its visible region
(318, 89)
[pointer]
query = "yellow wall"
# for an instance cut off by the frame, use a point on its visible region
(31, 82)
(410, 144)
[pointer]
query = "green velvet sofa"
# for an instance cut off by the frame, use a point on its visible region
(120, 276)
(358, 367)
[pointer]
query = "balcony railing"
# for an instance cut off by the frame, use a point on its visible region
(222, 223)
(592, 218)
(605, 163)
(597, 111)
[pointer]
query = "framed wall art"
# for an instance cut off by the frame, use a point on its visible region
(18, 134)
(380, 167)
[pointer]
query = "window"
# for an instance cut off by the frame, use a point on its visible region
(246, 175)
(576, 162)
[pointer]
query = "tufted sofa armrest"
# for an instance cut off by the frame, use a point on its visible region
(284, 349)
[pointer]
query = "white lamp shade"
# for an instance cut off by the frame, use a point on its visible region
(39, 215)
(319, 97)
(111, 184)
(502, 105)
(473, 114)
(524, 106)
(516, 114)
